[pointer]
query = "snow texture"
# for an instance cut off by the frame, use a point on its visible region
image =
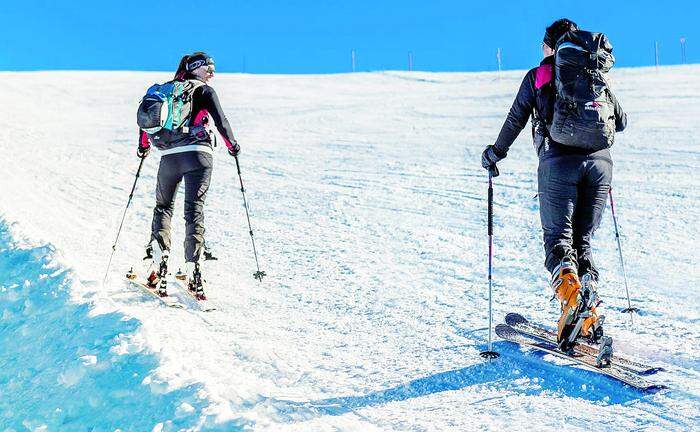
(368, 202)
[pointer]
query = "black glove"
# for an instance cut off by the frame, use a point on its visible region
(142, 152)
(234, 149)
(489, 158)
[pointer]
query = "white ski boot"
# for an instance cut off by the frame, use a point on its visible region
(195, 283)
(157, 279)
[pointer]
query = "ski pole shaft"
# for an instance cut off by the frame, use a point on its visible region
(490, 353)
(619, 249)
(258, 274)
(490, 232)
(128, 203)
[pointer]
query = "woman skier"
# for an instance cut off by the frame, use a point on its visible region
(186, 154)
(573, 181)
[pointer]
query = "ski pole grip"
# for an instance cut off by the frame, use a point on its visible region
(238, 166)
(490, 207)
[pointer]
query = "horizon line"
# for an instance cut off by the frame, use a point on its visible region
(327, 73)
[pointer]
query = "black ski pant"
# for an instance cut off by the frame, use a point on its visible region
(573, 191)
(195, 167)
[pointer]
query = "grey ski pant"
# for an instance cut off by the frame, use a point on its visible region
(195, 168)
(573, 191)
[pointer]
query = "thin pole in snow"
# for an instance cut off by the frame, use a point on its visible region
(352, 59)
(258, 274)
(121, 224)
(683, 59)
(410, 61)
(490, 353)
(498, 60)
(656, 54)
(629, 309)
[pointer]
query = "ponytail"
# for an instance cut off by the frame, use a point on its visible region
(182, 68)
(182, 71)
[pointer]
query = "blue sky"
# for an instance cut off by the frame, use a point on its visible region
(317, 36)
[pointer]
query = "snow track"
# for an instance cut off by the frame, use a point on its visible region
(368, 203)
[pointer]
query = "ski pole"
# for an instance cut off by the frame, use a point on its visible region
(258, 274)
(490, 353)
(128, 203)
(629, 309)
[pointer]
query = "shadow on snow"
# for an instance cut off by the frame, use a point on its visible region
(516, 371)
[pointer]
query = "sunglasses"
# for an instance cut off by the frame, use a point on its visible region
(209, 63)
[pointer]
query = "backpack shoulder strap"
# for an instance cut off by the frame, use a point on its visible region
(194, 84)
(184, 101)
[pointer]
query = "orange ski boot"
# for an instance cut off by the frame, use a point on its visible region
(592, 326)
(567, 289)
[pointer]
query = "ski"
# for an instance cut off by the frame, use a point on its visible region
(522, 324)
(587, 362)
(168, 301)
(203, 305)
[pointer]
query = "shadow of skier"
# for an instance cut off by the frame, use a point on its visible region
(516, 371)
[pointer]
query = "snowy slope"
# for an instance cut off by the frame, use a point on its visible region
(368, 202)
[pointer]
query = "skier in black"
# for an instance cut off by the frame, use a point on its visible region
(573, 183)
(187, 154)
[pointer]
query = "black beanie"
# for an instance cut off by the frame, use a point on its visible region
(557, 30)
(198, 59)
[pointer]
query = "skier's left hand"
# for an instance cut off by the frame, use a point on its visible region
(234, 149)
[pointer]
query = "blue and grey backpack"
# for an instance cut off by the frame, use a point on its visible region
(166, 108)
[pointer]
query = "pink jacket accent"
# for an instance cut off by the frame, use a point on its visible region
(228, 143)
(543, 75)
(200, 117)
(204, 114)
(144, 143)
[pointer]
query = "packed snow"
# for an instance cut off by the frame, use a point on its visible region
(368, 203)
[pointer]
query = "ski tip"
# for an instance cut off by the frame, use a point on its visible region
(652, 371)
(505, 331)
(515, 319)
(655, 388)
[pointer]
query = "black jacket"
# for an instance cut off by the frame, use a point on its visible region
(536, 99)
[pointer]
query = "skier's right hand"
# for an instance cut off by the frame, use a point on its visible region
(142, 152)
(489, 158)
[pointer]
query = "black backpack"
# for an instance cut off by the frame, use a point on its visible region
(584, 114)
